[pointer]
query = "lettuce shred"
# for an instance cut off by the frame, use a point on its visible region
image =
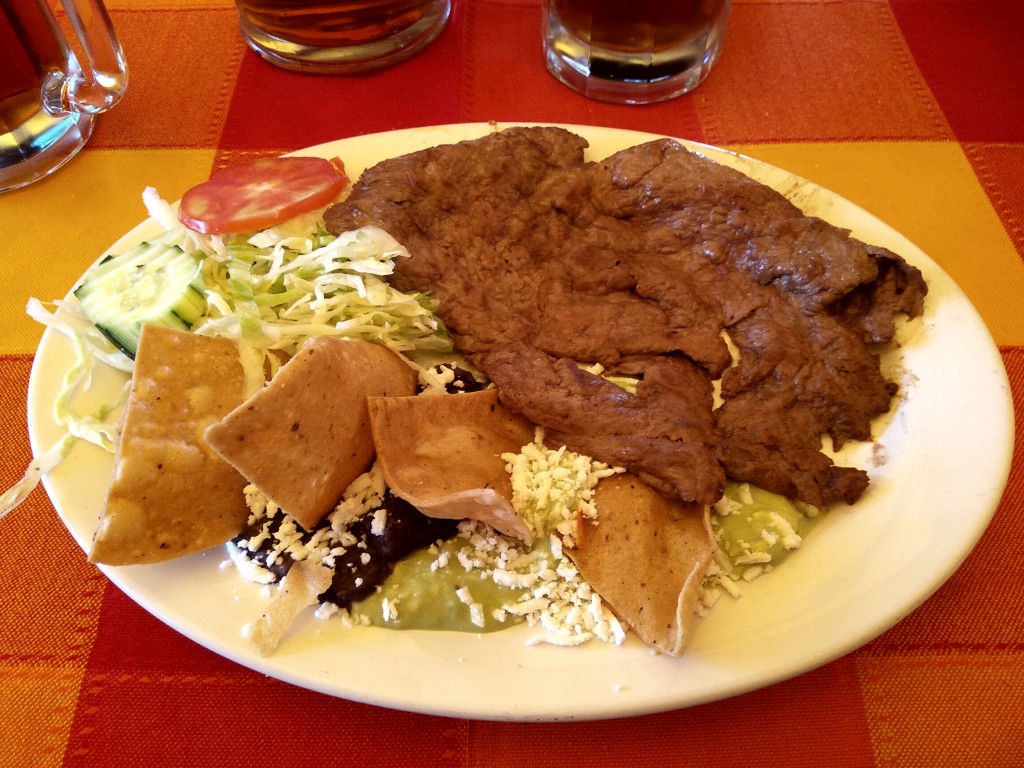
(277, 288)
(39, 467)
(90, 347)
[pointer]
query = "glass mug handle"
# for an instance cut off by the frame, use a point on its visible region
(101, 80)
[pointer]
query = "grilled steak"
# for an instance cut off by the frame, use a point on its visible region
(640, 262)
(664, 434)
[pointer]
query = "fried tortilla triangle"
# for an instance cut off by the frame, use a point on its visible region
(442, 454)
(306, 436)
(646, 556)
(170, 495)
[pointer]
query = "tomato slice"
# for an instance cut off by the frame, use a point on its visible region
(259, 194)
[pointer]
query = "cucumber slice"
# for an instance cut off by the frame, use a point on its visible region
(153, 283)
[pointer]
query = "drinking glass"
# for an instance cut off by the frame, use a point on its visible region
(340, 36)
(48, 98)
(633, 51)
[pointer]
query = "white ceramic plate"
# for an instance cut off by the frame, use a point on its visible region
(938, 467)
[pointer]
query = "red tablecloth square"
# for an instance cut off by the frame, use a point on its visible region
(972, 55)
(506, 79)
(274, 108)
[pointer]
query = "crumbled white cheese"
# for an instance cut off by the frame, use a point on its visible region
(441, 562)
(282, 537)
(550, 487)
(476, 610)
(435, 381)
(438, 380)
(551, 490)
(257, 504)
(726, 506)
(567, 610)
(774, 530)
(363, 494)
(746, 495)
(326, 610)
(755, 571)
(249, 569)
(753, 558)
(557, 602)
(790, 538)
(717, 582)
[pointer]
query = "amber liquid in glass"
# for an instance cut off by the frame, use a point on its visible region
(326, 24)
(657, 37)
(30, 50)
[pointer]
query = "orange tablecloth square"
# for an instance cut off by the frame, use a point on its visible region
(166, 49)
(818, 72)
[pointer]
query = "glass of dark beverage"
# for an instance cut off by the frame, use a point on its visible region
(633, 51)
(48, 98)
(340, 36)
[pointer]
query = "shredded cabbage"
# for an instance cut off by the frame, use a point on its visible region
(90, 346)
(94, 427)
(72, 322)
(277, 288)
(269, 295)
(274, 289)
(39, 467)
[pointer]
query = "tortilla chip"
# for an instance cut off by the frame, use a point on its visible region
(170, 495)
(300, 588)
(442, 454)
(646, 556)
(306, 436)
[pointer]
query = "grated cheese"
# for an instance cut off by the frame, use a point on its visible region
(550, 487)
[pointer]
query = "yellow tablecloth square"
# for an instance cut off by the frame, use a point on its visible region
(55, 229)
(928, 192)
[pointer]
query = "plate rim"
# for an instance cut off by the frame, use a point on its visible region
(522, 709)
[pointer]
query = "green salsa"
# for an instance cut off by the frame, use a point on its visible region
(421, 594)
(506, 581)
(756, 529)
(431, 589)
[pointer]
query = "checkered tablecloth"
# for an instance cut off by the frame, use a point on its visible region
(912, 109)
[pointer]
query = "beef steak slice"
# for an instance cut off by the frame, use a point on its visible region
(644, 262)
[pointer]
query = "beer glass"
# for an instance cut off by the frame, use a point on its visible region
(633, 51)
(340, 36)
(48, 98)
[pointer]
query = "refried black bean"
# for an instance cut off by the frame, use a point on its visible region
(406, 530)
